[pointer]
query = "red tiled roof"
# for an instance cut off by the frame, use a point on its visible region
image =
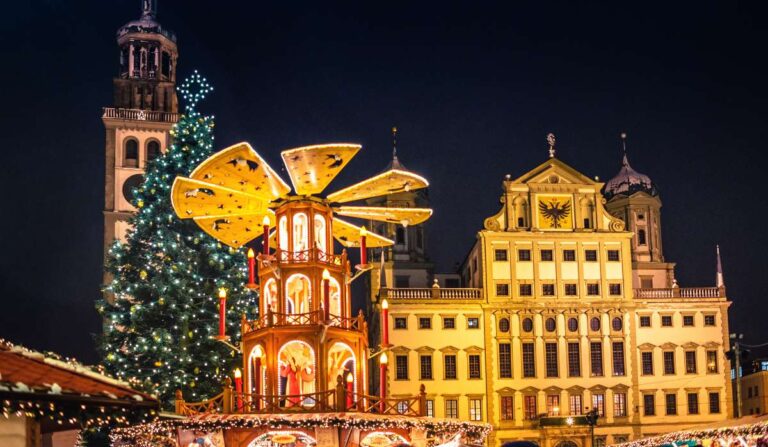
(39, 373)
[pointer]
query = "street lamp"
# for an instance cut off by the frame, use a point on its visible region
(591, 418)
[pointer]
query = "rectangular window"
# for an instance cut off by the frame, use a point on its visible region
(402, 281)
(693, 403)
(529, 365)
(546, 255)
(666, 320)
(505, 361)
(475, 410)
(425, 367)
(502, 289)
(709, 320)
(529, 408)
(570, 289)
(401, 323)
(614, 288)
(553, 404)
(669, 362)
(526, 290)
(474, 366)
(523, 254)
(714, 403)
(645, 321)
(473, 323)
(618, 358)
(449, 323)
(646, 282)
(569, 255)
(593, 289)
(450, 366)
(596, 358)
(598, 403)
(690, 362)
(550, 356)
(647, 361)
(671, 404)
(507, 408)
(620, 405)
(712, 362)
(590, 255)
(430, 408)
(574, 359)
(500, 255)
(575, 406)
(687, 320)
(451, 408)
(425, 323)
(649, 404)
(401, 367)
(548, 289)
(613, 255)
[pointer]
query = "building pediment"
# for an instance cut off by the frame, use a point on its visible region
(575, 389)
(646, 347)
(529, 390)
(711, 345)
(473, 349)
(553, 389)
(449, 350)
(668, 345)
(400, 350)
(506, 390)
(690, 345)
(555, 168)
(597, 389)
(425, 350)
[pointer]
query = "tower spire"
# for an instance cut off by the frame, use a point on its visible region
(148, 8)
(394, 143)
(624, 161)
(551, 141)
(720, 281)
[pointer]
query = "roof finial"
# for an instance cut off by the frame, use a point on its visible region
(624, 160)
(720, 280)
(394, 143)
(551, 141)
(148, 8)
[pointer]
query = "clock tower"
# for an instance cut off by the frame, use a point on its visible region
(143, 111)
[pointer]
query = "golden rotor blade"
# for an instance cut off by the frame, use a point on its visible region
(312, 168)
(235, 230)
(403, 216)
(390, 182)
(239, 167)
(349, 235)
(194, 198)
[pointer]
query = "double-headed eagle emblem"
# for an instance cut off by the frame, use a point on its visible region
(555, 212)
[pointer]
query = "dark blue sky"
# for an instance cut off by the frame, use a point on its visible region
(473, 87)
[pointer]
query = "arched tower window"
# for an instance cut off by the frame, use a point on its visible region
(131, 153)
(282, 233)
(521, 212)
(320, 233)
(296, 371)
(153, 150)
(300, 232)
(335, 298)
(298, 294)
(270, 294)
(341, 362)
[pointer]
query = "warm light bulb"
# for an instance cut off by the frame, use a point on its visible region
(384, 304)
(258, 352)
(265, 221)
(250, 253)
(222, 292)
(350, 379)
(383, 359)
(363, 232)
(326, 275)
(238, 373)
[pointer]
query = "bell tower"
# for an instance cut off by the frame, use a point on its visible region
(143, 111)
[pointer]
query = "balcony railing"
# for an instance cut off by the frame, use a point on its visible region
(310, 255)
(140, 115)
(431, 293)
(275, 319)
(681, 292)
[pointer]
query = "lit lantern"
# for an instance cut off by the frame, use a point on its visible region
(383, 381)
(384, 322)
(363, 254)
(327, 294)
(222, 313)
(239, 389)
(265, 225)
(251, 269)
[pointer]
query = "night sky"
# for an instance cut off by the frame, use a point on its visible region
(472, 88)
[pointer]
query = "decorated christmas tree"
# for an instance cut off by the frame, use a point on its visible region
(161, 308)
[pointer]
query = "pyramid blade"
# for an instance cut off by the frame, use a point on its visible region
(348, 235)
(235, 230)
(239, 167)
(390, 182)
(194, 198)
(312, 168)
(403, 216)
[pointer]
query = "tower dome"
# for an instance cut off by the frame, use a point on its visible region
(147, 23)
(628, 181)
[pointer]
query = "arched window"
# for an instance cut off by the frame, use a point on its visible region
(131, 153)
(320, 233)
(283, 233)
(270, 294)
(153, 150)
(300, 232)
(335, 298)
(296, 371)
(527, 325)
(341, 362)
(298, 294)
